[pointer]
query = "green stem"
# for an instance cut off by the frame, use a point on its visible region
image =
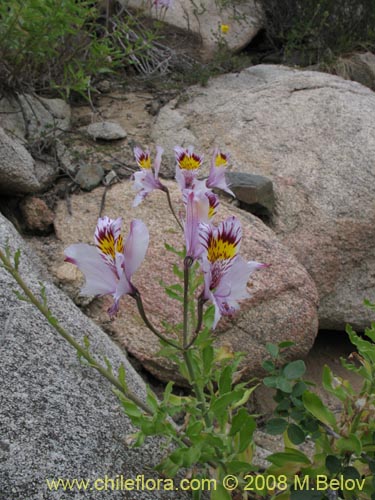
(137, 296)
(166, 190)
(188, 262)
(198, 390)
(80, 350)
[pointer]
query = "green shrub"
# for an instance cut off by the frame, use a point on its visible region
(318, 28)
(61, 45)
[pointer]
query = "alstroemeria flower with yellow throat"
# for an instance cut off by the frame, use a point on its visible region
(225, 272)
(110, 264)
(216, 177)
(147, 179)
(188, 164)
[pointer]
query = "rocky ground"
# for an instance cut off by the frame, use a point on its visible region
(135, 113)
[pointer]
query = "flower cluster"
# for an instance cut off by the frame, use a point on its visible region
(109, 265)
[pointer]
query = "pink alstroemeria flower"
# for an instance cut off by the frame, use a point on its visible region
(188, 165)
(225, 272)
(147, 179)
(216, 177)
(110, 264)
(200, 208)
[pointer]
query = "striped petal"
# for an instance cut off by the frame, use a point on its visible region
(216, 177)
(135, 247)
(100, 278)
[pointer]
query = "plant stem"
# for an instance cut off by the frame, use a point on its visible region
(166, 190)
(137, 296)
(56, 325)
(188, 262)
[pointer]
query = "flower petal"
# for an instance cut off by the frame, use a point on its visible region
(135, 247)
(100, 278)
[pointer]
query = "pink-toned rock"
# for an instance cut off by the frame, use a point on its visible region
(37, 216)
(284, 303)
(313, 135)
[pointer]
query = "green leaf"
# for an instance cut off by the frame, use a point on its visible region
(268, 365)
(194, 430)
(245, 396)
(238, 421)
(224, 402)
(270, 382)
(209, 316)
(131, 409)
(296, 434)
(20, 296)
(225, 381)
(108, 364)
(290, 455)
(333, 464)
(349, 444)
(151, 399)
(173, 295)
(246, 433)
(272, 349)
(294, 370)
(208, 358)
(177, 271)
(315, 406)
(86, 342)
(17, 256)
(220, 493)
(285, 344)
(276, 426)
(350, 473)
(284, 385)
(170, 248)
(299, 388)
(122, 376)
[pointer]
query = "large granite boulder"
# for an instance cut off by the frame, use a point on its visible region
(205, 19)
(284, 303)
(313, 134)
(58, 417)
(30, 117)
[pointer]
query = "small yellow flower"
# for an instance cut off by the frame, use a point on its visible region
(224, 28)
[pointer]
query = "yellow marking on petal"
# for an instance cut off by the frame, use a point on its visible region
(219, 249)
(120, 244)
(221, 160)
(145, 162)
(224, 28)
(211, 211)
(107, 245)
(189, 162)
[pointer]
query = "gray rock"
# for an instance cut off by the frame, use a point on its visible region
(254, 191)
(31, 117)
(204, 19)
(313, 135)
(89, 176)
(106, 131)
(59, 418)
(358, 67)
(17, 167)
(19, 172)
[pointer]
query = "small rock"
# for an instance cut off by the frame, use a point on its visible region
(89, 176)
(253, 190)
(17, 167)
(104, 86)
(37, 216)
(106, 131)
